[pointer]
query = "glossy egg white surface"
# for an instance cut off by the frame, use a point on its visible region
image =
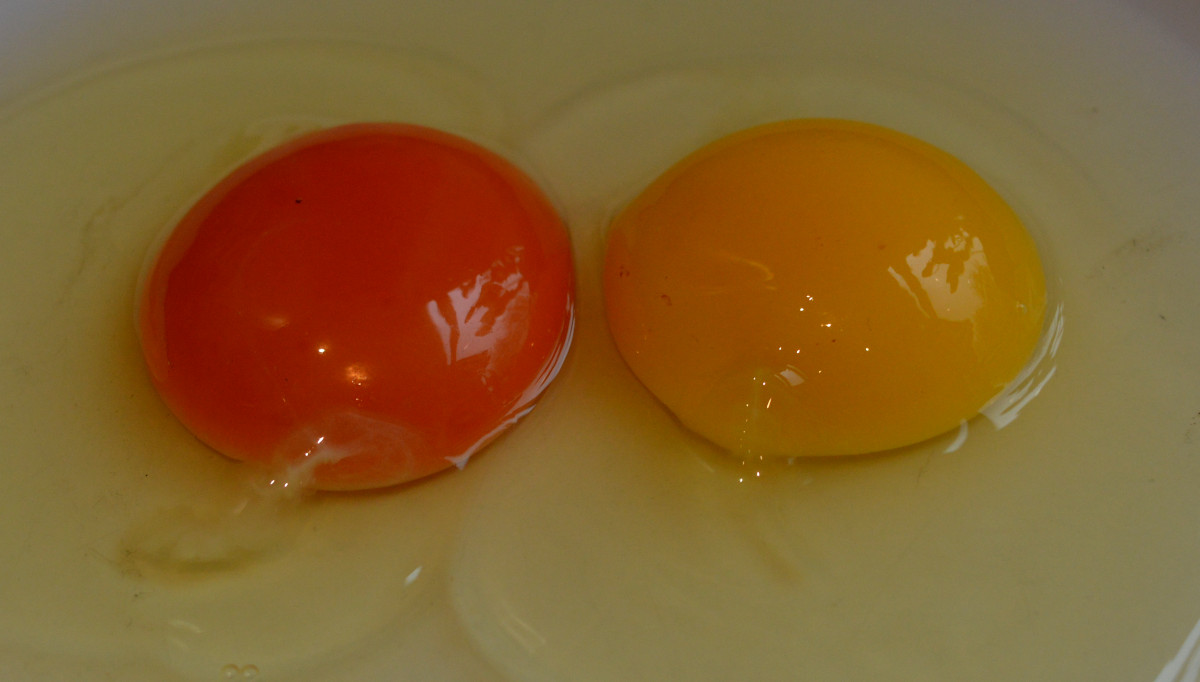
(1060, 540)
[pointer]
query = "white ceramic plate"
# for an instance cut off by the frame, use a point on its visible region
(597, 541)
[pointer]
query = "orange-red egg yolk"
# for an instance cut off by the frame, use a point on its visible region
(822, 287)
(360, 307)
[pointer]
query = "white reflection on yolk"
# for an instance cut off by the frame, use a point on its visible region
(791, 376)
(484, 315)
(275, 321)
(357, 374)
(936, 272)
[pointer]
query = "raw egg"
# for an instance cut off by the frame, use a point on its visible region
(822, 287)
(360, 307)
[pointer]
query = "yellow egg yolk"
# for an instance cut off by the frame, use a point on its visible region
(822, 287)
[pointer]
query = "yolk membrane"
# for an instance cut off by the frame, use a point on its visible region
(822, 287)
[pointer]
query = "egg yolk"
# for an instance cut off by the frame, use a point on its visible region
(360, 307)
(822, 287)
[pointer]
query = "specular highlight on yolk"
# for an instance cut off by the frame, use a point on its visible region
(822, 287)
